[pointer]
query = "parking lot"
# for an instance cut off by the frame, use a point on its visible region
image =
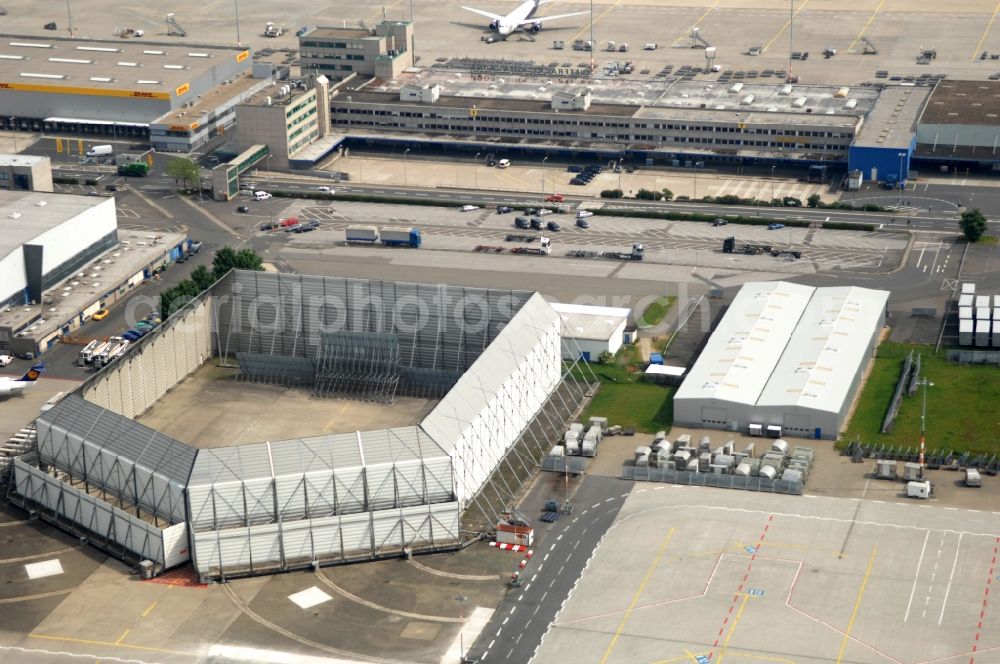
(689, 574)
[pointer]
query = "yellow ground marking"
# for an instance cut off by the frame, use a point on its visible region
(695, 24)
(592, 21)
(122, 637)
(149, 609)
(732, 628)
(635, 598)
(867, 23)
(857, 605)
(979, 45)
(785, 26)
(90, 642)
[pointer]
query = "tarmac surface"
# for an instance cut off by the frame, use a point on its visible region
(898, 29)
(689, 573)
(252, 413)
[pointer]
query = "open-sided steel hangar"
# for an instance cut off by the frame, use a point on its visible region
(787, 355)
(492, 356)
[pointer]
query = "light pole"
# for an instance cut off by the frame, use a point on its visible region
(544, 159)
(405, 181)
(923, 423)
(461, 623)
(899, 194)
(772, 185)
(69, 17)
(237, 4)
(13, 127)
(475, 169)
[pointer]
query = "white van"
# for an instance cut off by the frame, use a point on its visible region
(503, 163)
(261, 195)
(100, 151)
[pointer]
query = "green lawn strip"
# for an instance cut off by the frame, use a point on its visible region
(961, 405)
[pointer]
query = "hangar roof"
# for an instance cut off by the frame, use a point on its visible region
(741, 354)
(102, 64)
(46, 211)
(581, 321)
(818, 365)
(963, 103)
(468, 398)
(784, 344)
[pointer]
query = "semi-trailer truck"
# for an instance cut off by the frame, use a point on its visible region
(395, 236)
(139, 169)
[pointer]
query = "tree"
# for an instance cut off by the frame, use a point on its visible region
(180, 168)
(667, 194)
(612, 193)
(227, 259)
(647, 195)
(813, 200)
(202, 278)
(973, 224)
(606, 357)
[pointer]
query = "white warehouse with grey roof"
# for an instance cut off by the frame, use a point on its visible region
(784, 355)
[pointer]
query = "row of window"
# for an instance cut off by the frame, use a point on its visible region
(521, 131)
(482, 123)
(354, 46)
(309, 57)
(485, 119)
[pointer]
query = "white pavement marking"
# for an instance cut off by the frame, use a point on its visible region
(43, 569)
(947, 589)
(920, 561)
(474, 624)
(247, 654)
(310, 597)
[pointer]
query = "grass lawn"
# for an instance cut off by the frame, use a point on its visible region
(962, 410)
(656, 311)
(647, 407)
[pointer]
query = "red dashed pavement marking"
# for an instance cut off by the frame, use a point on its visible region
(746, 576)
(986, 593)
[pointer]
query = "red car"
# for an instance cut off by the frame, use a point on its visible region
(291, 221)
(555, 198)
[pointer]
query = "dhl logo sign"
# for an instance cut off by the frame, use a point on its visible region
(182, 89)
(242, 56)
(77, 90)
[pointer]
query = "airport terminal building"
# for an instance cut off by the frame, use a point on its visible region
(784, 355)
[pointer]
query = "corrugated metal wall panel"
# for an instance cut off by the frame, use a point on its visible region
(291, 493)
(326, 538)
(381, 486)
(410, 482)
(350, 488)
(387, 528)
(322, 498)
(175, 545)
(265, 545)
(356, 533)
(258, 496)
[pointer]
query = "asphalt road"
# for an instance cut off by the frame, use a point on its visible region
(560, 556)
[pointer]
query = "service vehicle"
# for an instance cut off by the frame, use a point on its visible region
(100, 314)
(261, 195)
(469, 208)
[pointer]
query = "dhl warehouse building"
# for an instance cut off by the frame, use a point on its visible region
(175, 95)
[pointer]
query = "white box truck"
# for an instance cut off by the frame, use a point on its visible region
(972, 477)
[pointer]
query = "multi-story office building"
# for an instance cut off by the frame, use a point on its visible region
(286, 116)
(337, 53)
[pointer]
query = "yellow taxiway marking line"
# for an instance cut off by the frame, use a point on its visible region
(785, 26)
(593, 47)
(732, 628)
(122, 637)
(149, 609)
(869, 22)
(857, 605)
(695, 24)
(635, 598)
(979, 44)
(90, 642)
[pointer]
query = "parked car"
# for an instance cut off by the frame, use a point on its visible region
(243, 209)
(719, 222)
(582, 214)
(553, 226)
(578, 181)
(131, 335)
(5, 360)
(541, 212)
(775, 227)
(504, 209)
(574, 169)
(491, 162)
(100, 314)
(582, 223)
(555, 198)
(181, 259)
(469, 208)
(531, 211)
(269, 226)
(261, 195)
(522, 222)
(324, 188)
(650, 46)
(195, 247)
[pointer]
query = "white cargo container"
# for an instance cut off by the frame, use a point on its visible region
(965, 313)
(683, 440)
(972, 477)
(756, 429)
(965, 331)
(767, 472)
(780, 446)
(967, 300)
(572, 448)
(742, 469)
(968, 288)
(359, 233)
(773, 431)
(557, 451)
(983, 328)
(791, 475)
(982, 301)
(589, 448)
(920, 490)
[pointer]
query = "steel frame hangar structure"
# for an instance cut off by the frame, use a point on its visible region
(492, 357)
